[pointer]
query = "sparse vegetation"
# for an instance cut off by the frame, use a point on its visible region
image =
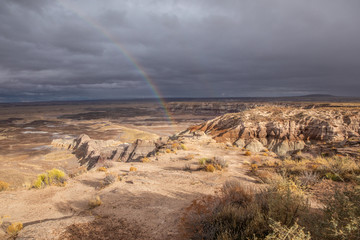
(54, 177)
(241, 213)
(4, 186)
(335, 168)
(212, 164)
(168, 150)
(247, 153)
(183, 147)
(254, 167)
(145, 160)
(133, 169)
(2, 219)
(342, 215)
(14, 228)
(102, 169)
(110, 178)
(280, 231)
(189, 157)
(187, 167)
(210, 168)
(78, 172)
(95, 202)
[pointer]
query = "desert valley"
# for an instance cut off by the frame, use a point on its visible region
(181, 120)
(128, 170)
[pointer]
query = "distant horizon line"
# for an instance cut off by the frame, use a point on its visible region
(183, 98)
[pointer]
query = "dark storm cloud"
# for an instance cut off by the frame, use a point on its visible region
(61, 49)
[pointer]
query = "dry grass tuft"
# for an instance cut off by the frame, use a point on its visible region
(102, 169)
(14, 228)
(183, 147)
(133, 169)
(4, 186)
(189, 157)
(210, 168)
(95, 202)
(247, 153)
(145, 160)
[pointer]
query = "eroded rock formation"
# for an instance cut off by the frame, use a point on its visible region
(90, 151)
(282, 129)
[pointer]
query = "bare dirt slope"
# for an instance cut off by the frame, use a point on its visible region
(146, 204)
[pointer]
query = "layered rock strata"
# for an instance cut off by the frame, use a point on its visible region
(282, 130)
(90, 152)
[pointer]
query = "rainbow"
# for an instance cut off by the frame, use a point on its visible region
(125, 53)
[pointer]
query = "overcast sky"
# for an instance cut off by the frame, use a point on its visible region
(58, 50)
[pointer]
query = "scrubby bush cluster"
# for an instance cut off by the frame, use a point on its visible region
(310, 171)
(241, 213)
(337, 168)
(53, 177)
(280, 211)
(212, 164)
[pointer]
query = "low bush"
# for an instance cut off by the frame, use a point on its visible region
(53, 177)
(14, 228)
(247, 153)
(210, 168)
(342, 215)
(145, 160)
(241, 213)
(183, 147)
(95, 202)
(133, 169)
(102, 169)
(4, 186)
(282, 232)
(335, 168)
(254, 167)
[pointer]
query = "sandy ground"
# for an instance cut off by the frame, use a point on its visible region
(146, 204)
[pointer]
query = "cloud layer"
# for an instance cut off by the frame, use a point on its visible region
(58, 50)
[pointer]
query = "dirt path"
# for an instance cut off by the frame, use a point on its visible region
(146, 204)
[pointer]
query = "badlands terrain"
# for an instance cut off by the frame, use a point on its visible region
(133, 169)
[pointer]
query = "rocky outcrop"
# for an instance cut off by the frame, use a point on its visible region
(90, 152)
(282, 129)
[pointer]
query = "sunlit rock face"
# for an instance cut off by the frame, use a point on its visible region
(282, 129)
